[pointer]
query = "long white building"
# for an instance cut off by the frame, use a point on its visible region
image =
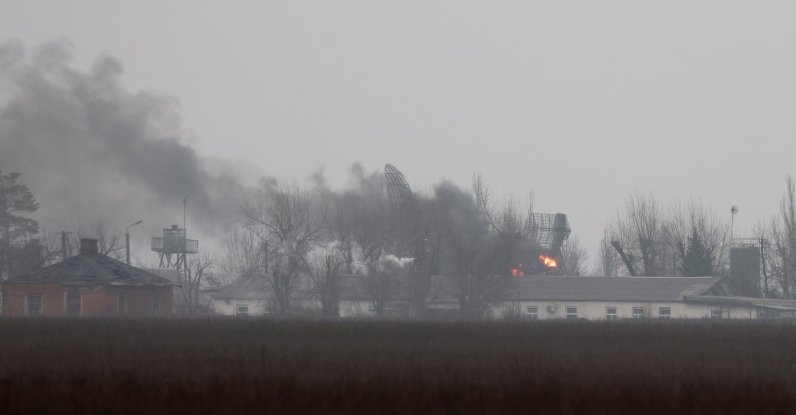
(614, 298)
(537, 298)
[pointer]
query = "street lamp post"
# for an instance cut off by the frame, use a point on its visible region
(127, 239)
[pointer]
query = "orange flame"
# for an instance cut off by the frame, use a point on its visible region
(548, 261)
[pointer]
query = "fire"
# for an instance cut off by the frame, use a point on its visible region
(517, 272)
(548, 261)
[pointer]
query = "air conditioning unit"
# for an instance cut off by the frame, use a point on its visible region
(552, 308)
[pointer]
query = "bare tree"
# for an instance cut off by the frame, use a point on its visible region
(574, 258)
(368, 221)
(33, 253)
(712, 231)
(243, 255)
(782, 237)
(642, 232)
(199, 271)
(324, 272)
(284, 218)
(426, 250)
(473, 252)
(372, 237)
(608, 264)
(511, 230)
(342, 225)
(772, 251)
(110, 240)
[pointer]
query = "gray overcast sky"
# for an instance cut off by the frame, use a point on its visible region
(582, 101)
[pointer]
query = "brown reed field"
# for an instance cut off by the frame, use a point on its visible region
(387, 367)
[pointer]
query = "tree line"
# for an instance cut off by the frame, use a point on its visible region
(650, 238)
(305, 240)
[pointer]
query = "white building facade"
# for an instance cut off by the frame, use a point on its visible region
(536, 298)
(619, 298)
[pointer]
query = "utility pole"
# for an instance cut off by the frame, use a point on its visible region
(185, 257)
(265, 259)
(127, 239)
(185, 239)
(63, 244)
(763, 262)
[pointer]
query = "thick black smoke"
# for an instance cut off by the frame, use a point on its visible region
(91, 150)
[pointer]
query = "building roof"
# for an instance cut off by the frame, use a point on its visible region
(545, 288)
(246, 288)
(170, 274)
(352, 288)
(92, 268)
(531, 288)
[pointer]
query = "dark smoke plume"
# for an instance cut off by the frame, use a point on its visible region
(90, 149)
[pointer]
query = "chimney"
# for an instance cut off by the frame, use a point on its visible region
(88, 246)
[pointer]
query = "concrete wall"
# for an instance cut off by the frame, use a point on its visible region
(95, 301)
(356, 309)
(596, 310)
(365, 309)
(261, 307)
(229, 307)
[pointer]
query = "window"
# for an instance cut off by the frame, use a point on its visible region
(122, 305)
(73, 303)
(638, 312)
(715, 313)
(572, 313)
(242, 310)
(766, 313)
(156, 304)
(664, 312)
(610, 313)
(532, 312)
(34, 305)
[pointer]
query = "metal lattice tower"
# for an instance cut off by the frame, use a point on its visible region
(399, 194)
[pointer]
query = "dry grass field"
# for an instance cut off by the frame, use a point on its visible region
(271, 366)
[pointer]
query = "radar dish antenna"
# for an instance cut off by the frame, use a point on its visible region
(550, 230)
(399, 194)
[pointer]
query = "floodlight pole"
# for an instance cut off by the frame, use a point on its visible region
(185, 239)
(127, 239)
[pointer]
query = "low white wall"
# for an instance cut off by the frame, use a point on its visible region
(356, 309)
(229, 307)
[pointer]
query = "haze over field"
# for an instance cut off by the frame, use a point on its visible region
(584, 103)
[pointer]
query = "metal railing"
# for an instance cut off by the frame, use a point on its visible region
(175, 245)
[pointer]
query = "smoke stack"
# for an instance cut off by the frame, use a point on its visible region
(88, 246)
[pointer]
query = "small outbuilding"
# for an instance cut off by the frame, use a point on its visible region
(248, 296)
(87, 285)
